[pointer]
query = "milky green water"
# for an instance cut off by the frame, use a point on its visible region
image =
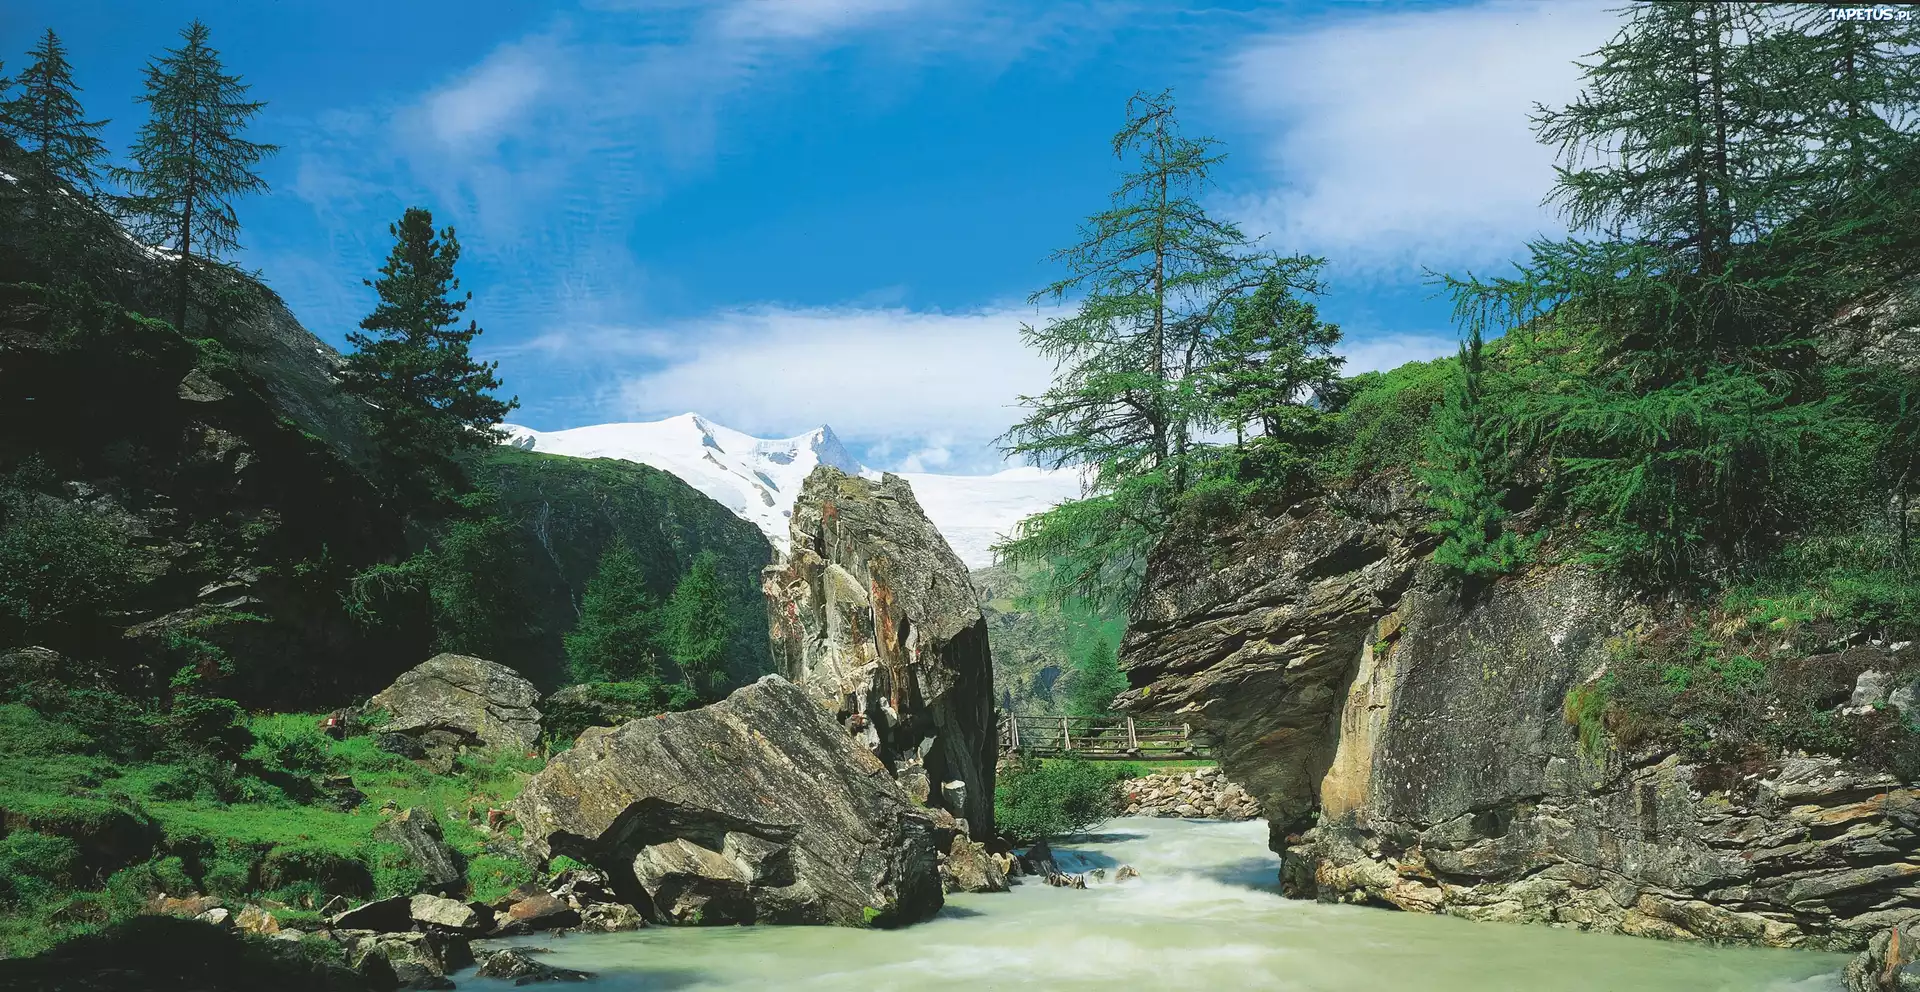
(1205, 915)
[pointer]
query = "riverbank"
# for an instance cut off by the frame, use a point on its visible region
(1199, 793)
(1205, 913)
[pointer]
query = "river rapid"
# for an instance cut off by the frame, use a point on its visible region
(1205, 914)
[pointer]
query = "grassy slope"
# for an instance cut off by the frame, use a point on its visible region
(239, 836)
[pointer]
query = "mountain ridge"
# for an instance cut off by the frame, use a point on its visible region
(759, 478)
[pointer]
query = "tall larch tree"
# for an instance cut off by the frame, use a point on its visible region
(1153, 275)
(697, 629)
(427, 398)
(63, 148)
(191, 161)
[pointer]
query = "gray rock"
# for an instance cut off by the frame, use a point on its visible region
(483, 702)
(876, 617)
(1408, 743)
(973, 869)
(520, 966)
(825, 835)
(1890, 963)
(418, 832)
(415, 960)
(540, 911)
(611, 917)
(450, 914)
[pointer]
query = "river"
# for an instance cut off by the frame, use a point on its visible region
(1204, 915)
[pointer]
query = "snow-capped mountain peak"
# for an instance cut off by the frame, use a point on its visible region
(759, 479)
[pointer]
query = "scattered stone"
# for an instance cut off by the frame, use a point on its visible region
(1039, 860)
(758, 808)
(218, 916)
(515, 963)
(418, 831)
(188, 906)
(449, 914)
(1125, 872)
(543, 911)
(481, 701)
(611, 917)
(253, 919)
(1202, 793)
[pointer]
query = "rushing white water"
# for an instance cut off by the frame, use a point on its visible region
(1204, 915)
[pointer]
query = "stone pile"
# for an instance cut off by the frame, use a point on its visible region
(1203, 793)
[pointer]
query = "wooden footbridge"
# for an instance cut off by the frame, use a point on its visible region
(1119, 738)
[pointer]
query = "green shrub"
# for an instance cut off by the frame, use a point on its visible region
(33, 865)
(601, 704)
(61, 566)
(1034, 800)
(394, 873)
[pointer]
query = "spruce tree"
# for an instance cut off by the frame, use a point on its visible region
(1466, 460)
(1154, 275)
(190, 161)
(63, 149)
(697, 628)
(1857, 83)
(428, 400)
(614, 641)
(1268, 370)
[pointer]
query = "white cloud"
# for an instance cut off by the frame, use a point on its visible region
(479, 106)
(1402, 139)
(936, 386)
(1385, 351)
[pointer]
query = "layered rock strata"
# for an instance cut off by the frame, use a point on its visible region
(874, 615)
(1406, 736)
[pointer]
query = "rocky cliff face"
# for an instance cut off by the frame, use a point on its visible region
(872, 613)
(1406, 737)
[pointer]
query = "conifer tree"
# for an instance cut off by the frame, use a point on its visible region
(1154, 274)
(1857, 83)
(62, 147)
(190, 160)
(428, 399)
(698, 626)
(1466, 459)
(1272, 363)
(46, 118)
(614, 641)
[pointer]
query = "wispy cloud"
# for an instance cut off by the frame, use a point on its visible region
(1401, 139)
(925, 390)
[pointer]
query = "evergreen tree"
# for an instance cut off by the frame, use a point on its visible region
(614, 641)
(1857, 83)
(428, 399)
(1466, 460)
(1094, 677)
(1269, 369)
(46, 118)
(62, 148)
(697, 628)
(1155, 276)
(190, 161)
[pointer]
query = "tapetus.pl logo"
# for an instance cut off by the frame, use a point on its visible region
(1877, 12)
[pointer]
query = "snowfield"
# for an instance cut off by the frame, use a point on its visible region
(759, 479)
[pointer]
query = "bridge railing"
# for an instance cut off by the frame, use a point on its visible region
(1115, 737)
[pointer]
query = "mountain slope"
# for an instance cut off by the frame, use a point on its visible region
(759, 479)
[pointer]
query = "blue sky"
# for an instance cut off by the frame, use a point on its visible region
(787, 212)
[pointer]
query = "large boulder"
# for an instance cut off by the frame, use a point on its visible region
(480, 701)
(875, 616)
(417, 832)
(757, 809)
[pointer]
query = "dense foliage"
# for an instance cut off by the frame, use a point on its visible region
(1036, 799)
